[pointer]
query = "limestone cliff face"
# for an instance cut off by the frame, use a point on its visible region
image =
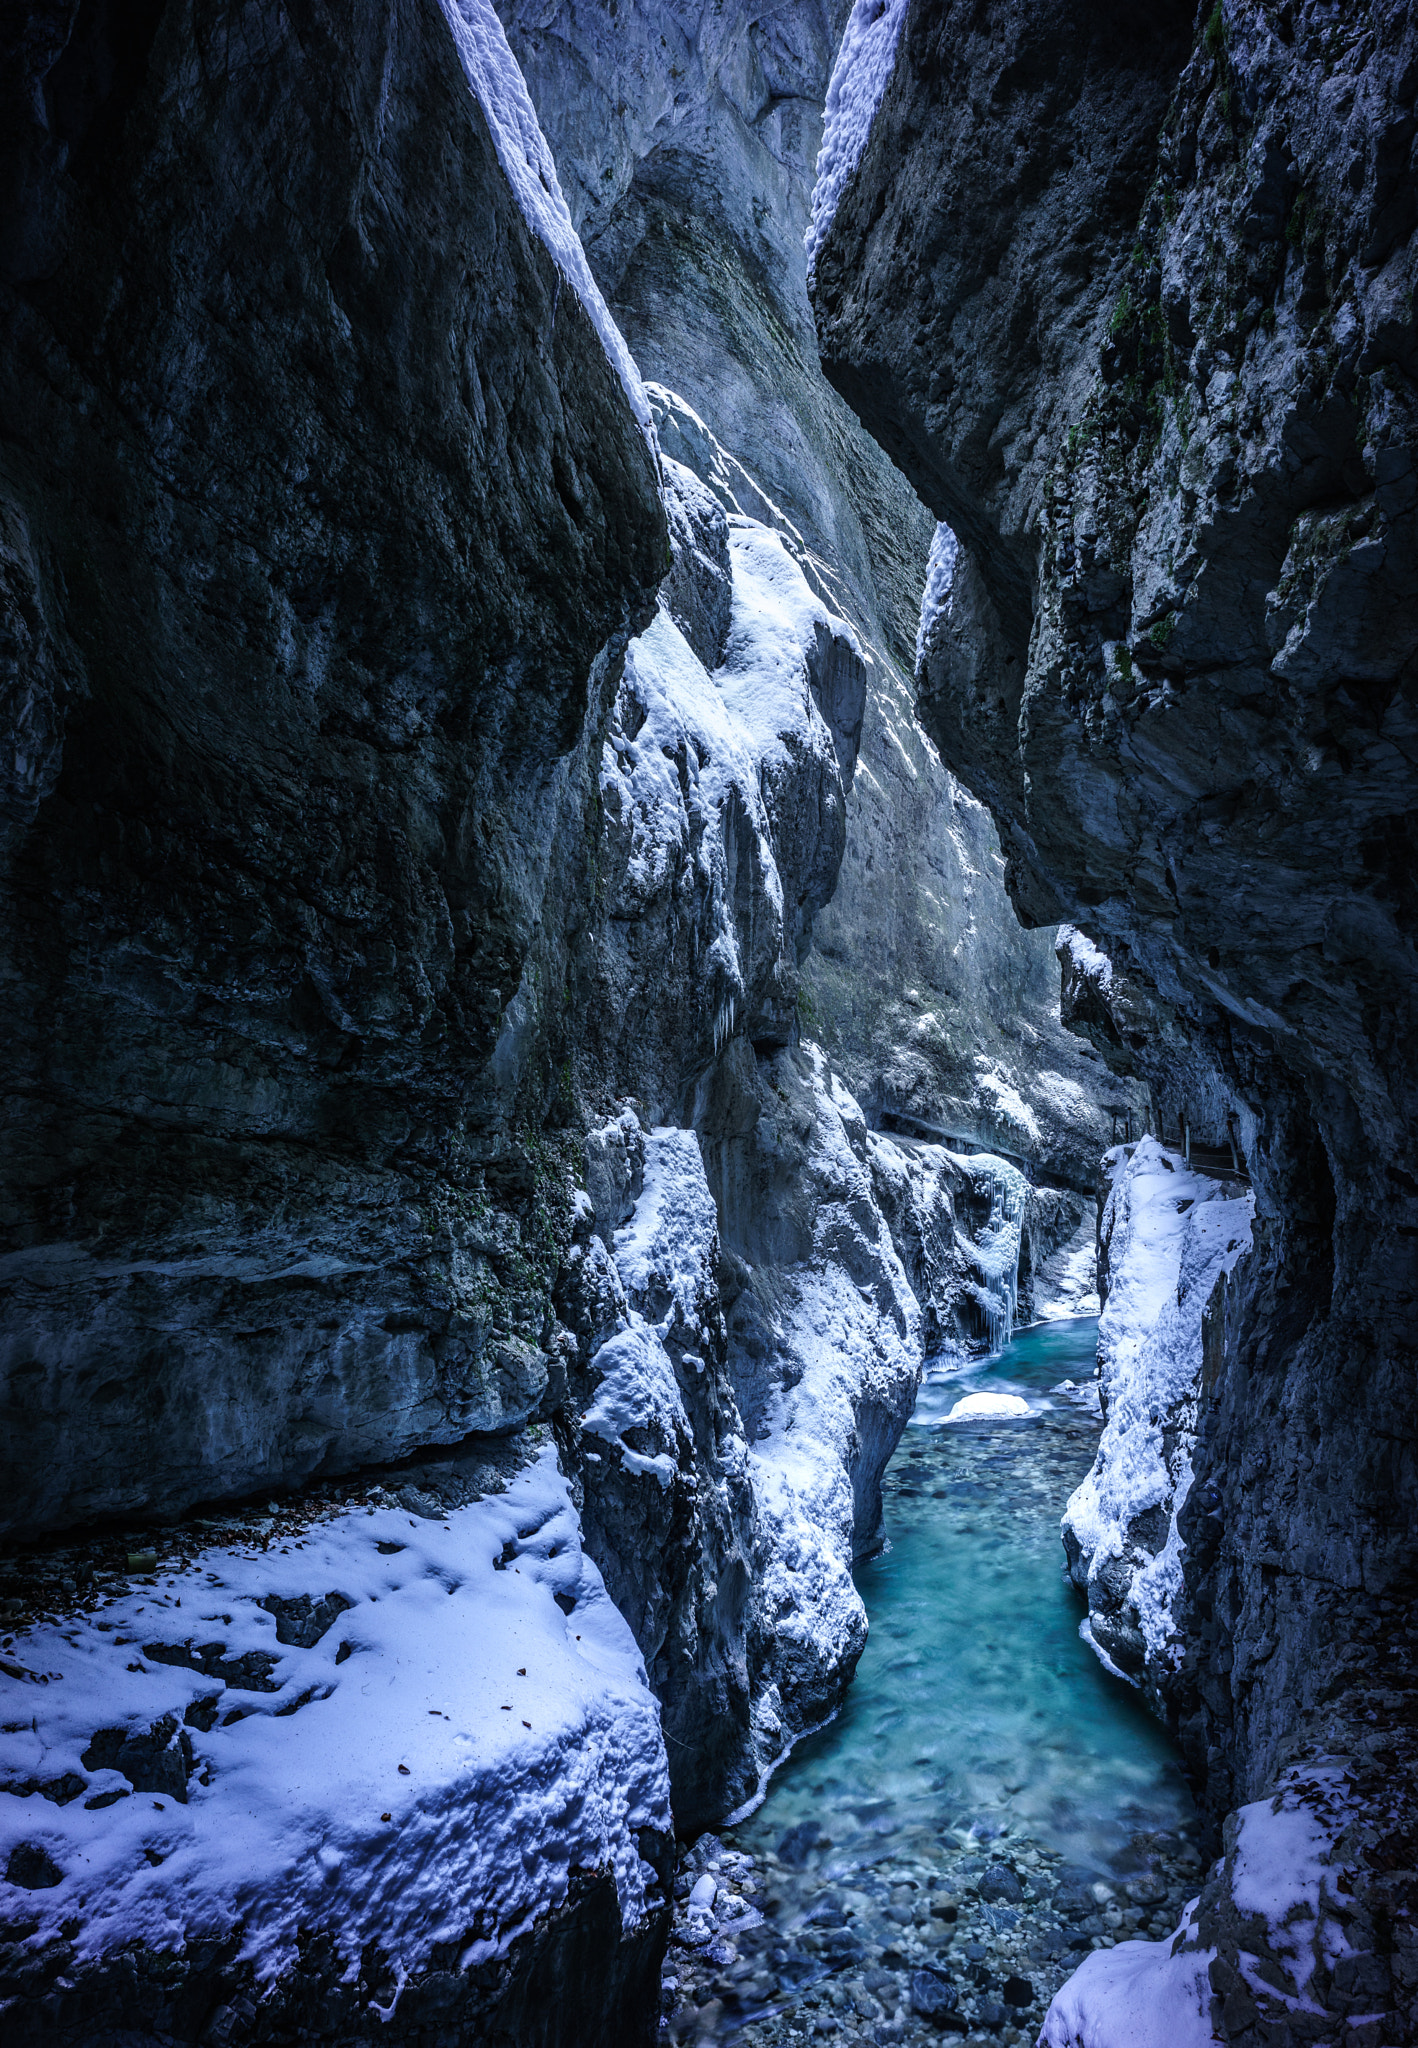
(326, 522)
(1135, 314)
(325, 526)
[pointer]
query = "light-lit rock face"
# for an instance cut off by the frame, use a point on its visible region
(686, 142)
(1135, 314)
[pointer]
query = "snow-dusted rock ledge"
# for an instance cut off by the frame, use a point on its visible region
(358, 1777)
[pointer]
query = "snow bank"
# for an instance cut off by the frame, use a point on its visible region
(1070, 1277)
(1269, 1926)
(1137, 1995)
(522, 149)
(1170, 1234)
(847, 1319)
(665, 1259)
(432, 1768)
(940, 578)
(859, 78)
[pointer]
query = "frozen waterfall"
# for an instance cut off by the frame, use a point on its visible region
(996, 1246)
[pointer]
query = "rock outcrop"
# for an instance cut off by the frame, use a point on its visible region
(308, 617)
(1134, 312)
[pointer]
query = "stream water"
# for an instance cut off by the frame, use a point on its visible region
(989, 1803)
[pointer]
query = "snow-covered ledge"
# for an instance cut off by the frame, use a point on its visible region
(412, 1735)
(1168, 1236)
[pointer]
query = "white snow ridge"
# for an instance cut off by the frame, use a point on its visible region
(522, 149)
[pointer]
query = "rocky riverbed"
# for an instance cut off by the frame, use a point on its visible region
(971, 1937)
(990, 1805)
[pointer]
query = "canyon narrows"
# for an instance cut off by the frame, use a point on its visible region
(704, 704)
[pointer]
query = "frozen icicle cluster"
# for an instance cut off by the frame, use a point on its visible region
(859, 78)
(501, 92)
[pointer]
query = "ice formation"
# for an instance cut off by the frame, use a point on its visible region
(997, 1245)
(1170, 1235)
(470, 1726)
(500, 90)
(859, 78)
(940, 576)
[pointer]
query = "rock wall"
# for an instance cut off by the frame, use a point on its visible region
(308, 614)
(1134, 313)
(686, 142)
(422, 798)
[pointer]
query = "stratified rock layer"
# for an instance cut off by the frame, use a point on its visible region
(1136, 316)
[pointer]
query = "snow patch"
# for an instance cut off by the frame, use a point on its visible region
(1137, 1995)
(1171, 1234)
(859, 78)
(1282, 1888)
(1091, 962)
(444, 1755)
(940, 580)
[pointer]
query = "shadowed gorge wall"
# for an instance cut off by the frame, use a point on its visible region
(324, 527)
(1135, 313)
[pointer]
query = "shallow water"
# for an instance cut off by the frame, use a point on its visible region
(980, 1732)
(976, 1704)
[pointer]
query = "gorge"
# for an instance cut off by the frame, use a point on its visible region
(704, 704)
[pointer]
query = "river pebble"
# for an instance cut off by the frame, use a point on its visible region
(907, 1948)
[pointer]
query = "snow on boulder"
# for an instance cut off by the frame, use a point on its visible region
(983, 1407)
(1169, 1237)
(396, 1730)
(1275, 1947)
(845, 1317)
